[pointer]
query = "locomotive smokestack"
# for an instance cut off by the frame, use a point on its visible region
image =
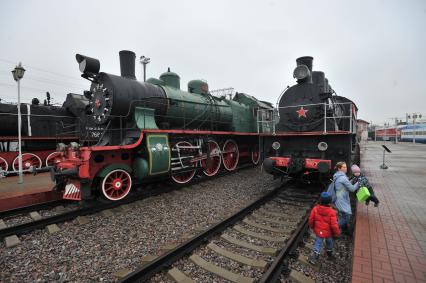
(303, 71)
(127, 64)
(306, 60)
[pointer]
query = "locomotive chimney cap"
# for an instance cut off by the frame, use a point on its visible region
(305, 57)
(127, 52)
(305, 60)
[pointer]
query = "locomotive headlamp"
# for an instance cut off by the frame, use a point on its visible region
(61, 147)
(301, 72)
(276, 145)
(322, 146)
(88, 65)
(74, 145)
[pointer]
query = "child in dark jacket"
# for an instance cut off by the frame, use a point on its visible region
(323, 221)
(358, 176)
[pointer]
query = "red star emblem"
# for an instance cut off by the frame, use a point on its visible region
(302, 112)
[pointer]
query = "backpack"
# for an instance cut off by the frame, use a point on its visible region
(332, 191)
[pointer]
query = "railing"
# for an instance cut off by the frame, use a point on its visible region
(223, 92)
(212, 115)
(266, 120)
(271, 118)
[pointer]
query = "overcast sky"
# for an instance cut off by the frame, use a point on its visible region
(373, 52)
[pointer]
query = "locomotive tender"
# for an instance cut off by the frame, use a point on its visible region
(153, 129)
(314, 130)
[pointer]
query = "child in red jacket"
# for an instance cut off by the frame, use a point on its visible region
(323, 221)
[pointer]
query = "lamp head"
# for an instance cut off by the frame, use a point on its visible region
(88, 66)
(145, 60)
(18, 72)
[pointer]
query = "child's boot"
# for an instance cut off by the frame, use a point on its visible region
(330, 255)
(313, 258)
(375, 200)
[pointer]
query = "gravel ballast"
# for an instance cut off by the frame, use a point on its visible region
(327, 271)
(231, 264)
(95, 251)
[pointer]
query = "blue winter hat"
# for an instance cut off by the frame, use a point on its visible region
(325, 198)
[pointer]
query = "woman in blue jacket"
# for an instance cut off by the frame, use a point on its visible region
(339, 189)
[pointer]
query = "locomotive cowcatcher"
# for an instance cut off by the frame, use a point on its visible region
(153, 129)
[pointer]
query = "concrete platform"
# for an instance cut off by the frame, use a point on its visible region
(35, 189)
(9, 186)
(390, 241)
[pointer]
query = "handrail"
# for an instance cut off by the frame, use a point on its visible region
(272, 122)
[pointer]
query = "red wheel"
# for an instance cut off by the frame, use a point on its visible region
(230, 155)
(53, 158)
(255, 155)
(116, 185)
(3, 165)
(29, 160)
(184, 150)
(212, 163)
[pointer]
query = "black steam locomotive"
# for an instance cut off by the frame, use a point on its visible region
(152, 130)
(315, 128)
(43, 126)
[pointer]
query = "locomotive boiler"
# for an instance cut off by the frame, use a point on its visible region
(119, 103)
(152, 129)
(315, 128)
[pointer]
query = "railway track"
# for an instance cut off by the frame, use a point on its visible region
(33, 207)
(91, 208)
(249, 246)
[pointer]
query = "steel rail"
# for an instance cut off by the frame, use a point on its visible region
(32, 207)
(97, 207)
(145, 272)
(67, 216)
(275, 270)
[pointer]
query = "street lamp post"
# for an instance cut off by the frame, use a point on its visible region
(385, 137)
(18, 74)
(375, 133)
(414, 128)
(414, 116)
(144, 61)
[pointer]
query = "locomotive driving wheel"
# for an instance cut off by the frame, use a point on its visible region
(53, 158)
(29, 160)
(3, 165)
(212, 163)
(230, 155)
(184, 150)
(255, 155)
(116, 185)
